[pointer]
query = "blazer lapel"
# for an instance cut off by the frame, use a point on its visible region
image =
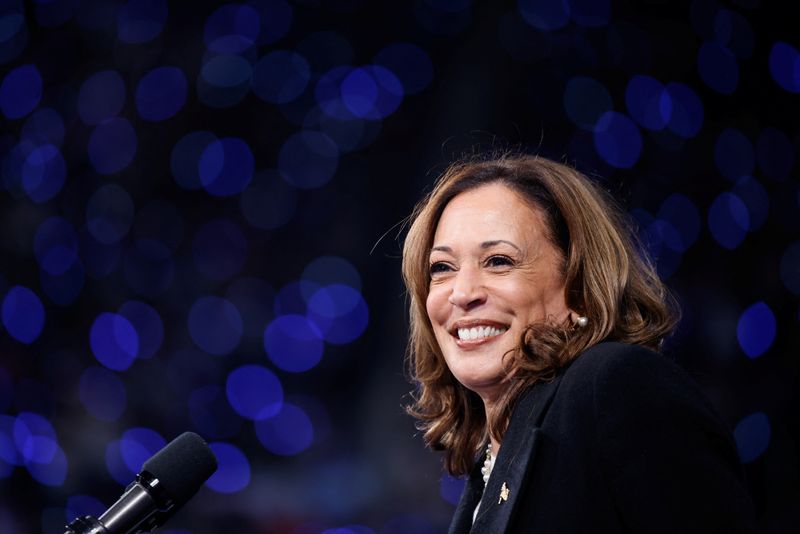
(462, 518)
(517, 454)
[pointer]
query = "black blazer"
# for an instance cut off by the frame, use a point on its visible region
(621, 441)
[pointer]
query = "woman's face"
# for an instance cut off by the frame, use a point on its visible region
(493, 273)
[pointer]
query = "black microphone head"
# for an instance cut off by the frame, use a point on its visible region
(182, 466)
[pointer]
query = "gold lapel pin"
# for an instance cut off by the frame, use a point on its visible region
(503, 493)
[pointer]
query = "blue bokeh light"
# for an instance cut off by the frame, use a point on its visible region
(101, 97)
(682, 215)
(254, 392)
(718, 68)
(288, 432)
(687, 114)
(148, 267)
(52, 472)
(102, 393)
(215, 325)
(137, 445)
(109, 214)
(755, 198)
(148, 325)
(410, 63)
(211, 414)
(233, 470)
(293, 343)
(43, 173)
(328, 92)
(450, 488)
(371, 92)
(219, 249)
(35, 438)
(326, 270)
(339, 312)
(140, 21)
(226, 71)
(161, 93)
(268, 202)
(647, 102)
(783, 61)
(733, 154)
(756, 329)
(23, 314)
(114, 341)
(44, 126)
(276, 19)
(293, 297)
(63, 288)
(185, 158)
(590, 13)
(253, 297)
(280, 76)
(775, 154)
(14, 32)
(544, 14)
(308, 159)
(55, 245)
(232, 29)
(20, 91)
(734, 32)
(585, 100)
(617, 140)
(752, 435)
(112, 146)
(728, 220)
(790, 268)
(116, 465)
(226, 166)
(8, 449)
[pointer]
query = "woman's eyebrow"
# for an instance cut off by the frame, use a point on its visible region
(490, 244)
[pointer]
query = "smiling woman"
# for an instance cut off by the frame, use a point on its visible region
(535, 326)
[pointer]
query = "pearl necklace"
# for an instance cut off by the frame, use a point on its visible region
(488, 464)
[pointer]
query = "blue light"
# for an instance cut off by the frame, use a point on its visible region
(254, 298)
(544, 14)
(647, 102)
(328, 93)
(82, 505)
(327, 270)
(254, 392)
(116, 465)
(783, 61)
(148, 326)
(756, 329)
(293, 343)
(775, 154)
(185, 158)
(52, 472)
(219, 249)
(231, 29)
(268, 202)
(790, 268)
(161, 93)
(101, 97)
(114, 341)
(23, 314)
(682, 215)
(43, 173)
(293, 297)
(339, 312)
(590, 13)
(280, 76)
(686, 118)
(733, 154)
(211, 414)
(148, 268)
(585, 100)
(102, 393)
(44, 126)
(63, 288)
(756, 200)
(410, 63)
(734, 32)
(718, 68)
(35, 438)
(215, 325)
(8, 449)
(14, 33)
(349, 134)
(109, 214)
(20, 91)
(226, 166)
(112, 146)
(617, 140)
(276, 19)
(225, 71)
(728, 220)
(450, 488)
(137, 445)
(308, 159)
(55, 245)
(233, 471)
(371, 92)
(752, 435)
(288, 433)
(140, 21)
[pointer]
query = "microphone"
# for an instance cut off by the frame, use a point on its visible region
(167, 481)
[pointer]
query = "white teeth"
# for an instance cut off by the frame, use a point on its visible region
(479, 332)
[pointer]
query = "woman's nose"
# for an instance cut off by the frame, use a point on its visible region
(468, 290)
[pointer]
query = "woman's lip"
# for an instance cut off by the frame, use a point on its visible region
(470, 343)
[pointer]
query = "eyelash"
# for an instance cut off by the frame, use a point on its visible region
(440, 266)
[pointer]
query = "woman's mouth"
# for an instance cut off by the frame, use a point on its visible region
(479, 333)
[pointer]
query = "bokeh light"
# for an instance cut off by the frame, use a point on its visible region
(410, 63)
(280, 76)
(44, 126)
(728, 220)
(215, 325)
(140, 21)
(232, 28)
(287, 433)
(161, 93)
(544, 15)
(647, 102)
(783, 61)
(339, 312)
(20, 91)
(109, 214)
(112, 146)
(752, 435)
(308, 159)
(226, 166)
(293, 343)
(617, 140)
(114, 341)
(137, 445)
(211, 414)
(276, 19)
(233, 469)
(585, 100)
(185, 159)
(756, 329)
(254, 392)
(733, 154)
(718, 68)
(102, 393)
(687, 115)
(23, 314)
(102, 96)
(148, 325)
(450, 488)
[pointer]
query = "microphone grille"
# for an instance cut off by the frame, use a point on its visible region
(182, 466)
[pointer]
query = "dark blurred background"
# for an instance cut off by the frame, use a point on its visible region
(201, 216)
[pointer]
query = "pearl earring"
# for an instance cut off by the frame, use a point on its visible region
(582, 321)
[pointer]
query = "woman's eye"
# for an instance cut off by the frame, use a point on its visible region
(499, 261)
(439, 267)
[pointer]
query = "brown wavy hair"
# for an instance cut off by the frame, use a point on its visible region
(608, 278)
